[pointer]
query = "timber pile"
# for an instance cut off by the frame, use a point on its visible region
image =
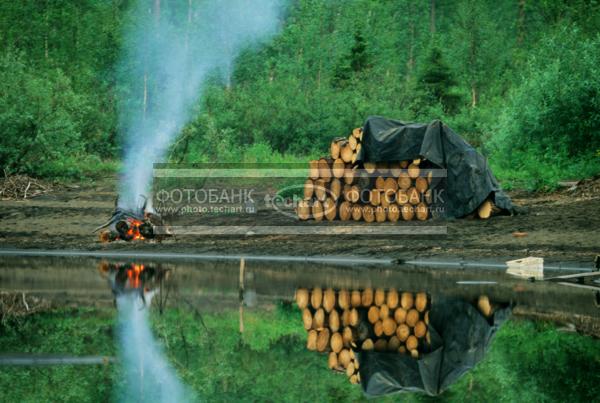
(21, 187)
(339, 188)
(341, 323)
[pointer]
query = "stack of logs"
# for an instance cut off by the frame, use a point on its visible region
(342, 322)
(338, 188)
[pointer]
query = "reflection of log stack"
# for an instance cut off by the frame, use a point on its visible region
(341, 323)
(371, 191)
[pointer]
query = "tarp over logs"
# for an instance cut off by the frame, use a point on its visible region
(469, 179)
(460, 338)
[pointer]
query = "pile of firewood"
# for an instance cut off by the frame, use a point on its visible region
(21, 187)
(343, 322)
(340, 188)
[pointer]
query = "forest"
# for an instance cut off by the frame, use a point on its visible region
(518, 79)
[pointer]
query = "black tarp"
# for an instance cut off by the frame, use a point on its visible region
(469, 179)
(460, 338)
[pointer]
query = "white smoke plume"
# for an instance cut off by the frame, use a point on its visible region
(148, 374)
(173, 47)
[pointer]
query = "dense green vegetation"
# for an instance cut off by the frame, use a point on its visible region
(518, 79)
(527, 362)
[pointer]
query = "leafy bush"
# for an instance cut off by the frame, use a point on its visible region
(550, 128)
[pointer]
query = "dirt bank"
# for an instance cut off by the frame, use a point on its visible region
(562, 226)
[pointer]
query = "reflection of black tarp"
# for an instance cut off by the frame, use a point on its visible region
(469, 179)
(460, 337)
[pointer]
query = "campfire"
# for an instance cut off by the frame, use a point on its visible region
(134, 278)
(127, 225)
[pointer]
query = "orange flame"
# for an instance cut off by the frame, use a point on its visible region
(133, 275)
(134, 229)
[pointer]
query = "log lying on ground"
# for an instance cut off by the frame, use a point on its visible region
(303, 210)
(309, 189)
(320, 190)
(317, 210)
(487, 209)
(345, 211)
(349, 172)
(335, 189)
(329, 209)
(338, 168)
(325, 169)
(346, 153)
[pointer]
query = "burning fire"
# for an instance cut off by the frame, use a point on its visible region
(134, 230)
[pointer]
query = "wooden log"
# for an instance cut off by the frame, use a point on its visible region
(389, 326)
(388, 197)
(417, 161)
(336, 145)
(367, 345)
(420, 329)
(335, 189)
(380, 214)
(484, 306)
(302, 298)
(334, 321)
(393, 213)
(379, 297)
(306, 318)
(325, 169)
(317, 210)
(354, 193)
(413, 196)
(350, 370)
(349, 172)
(309, 189)
(338, 168)
(336, 343)
(344, 299)
(354, 317)
(422, 211)
(345, 211)
(413, 171)
(320, 189)
(393, 298)
(378, 328)
(406, 300)
(375, 197)
(318, 319)
(353, 142)
(303, 210)
(412, 317)
(407, 212)
(487, 209)
(390, 185)
(328, 300)
(356, 298)
(344, 357)
(395, 169)
(400, 315)
(347, 336)
(421, 184)
(421, 301)
(366, 297)
(322, 340)
(330, 209)
(357, 153)
(370, 167)
(357, 133)
(346, 153)
(412, 343)
(384, 311)
(357, 212)
(313, 169)
(404, 181)
(316, 297)
(380, 183)
(368, 213)
(402, 332)
(372, 314)
(311, 340)
(332, 360)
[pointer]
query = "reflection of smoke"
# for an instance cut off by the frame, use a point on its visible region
(168, 57)
(148, 374)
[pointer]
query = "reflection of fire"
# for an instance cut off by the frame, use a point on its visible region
(133, 275)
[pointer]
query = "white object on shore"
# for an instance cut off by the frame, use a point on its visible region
(527, 267)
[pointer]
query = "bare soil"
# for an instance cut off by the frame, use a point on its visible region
(562, 226)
